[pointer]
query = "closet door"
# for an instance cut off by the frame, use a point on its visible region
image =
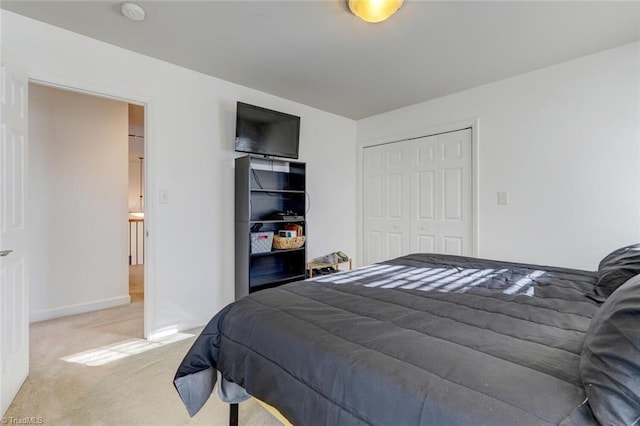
(425, 190)
(386, 202)
(417, 197)
(441, 214)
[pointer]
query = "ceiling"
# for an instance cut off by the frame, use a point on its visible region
(319, 54)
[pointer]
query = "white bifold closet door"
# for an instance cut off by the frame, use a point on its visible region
(418, 197)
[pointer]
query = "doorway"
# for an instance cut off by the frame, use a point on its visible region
(136, 203)
(78, 208)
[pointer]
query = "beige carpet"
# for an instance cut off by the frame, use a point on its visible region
(136, 390)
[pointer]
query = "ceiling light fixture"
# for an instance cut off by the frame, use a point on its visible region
(374, 11)
(132, 11)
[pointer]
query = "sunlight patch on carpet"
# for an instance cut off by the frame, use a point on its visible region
(106, 354)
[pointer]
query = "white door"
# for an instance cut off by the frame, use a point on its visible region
(14, 324)
(386, 202)
(418, 198)
(424, 185)
(441, 220)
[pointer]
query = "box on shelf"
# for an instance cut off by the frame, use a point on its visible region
(261, 242)
(287, 233)
(294, 227)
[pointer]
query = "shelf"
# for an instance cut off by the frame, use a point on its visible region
(273, 279)
(312, 264)
(259, 195)
(317, 265)
(278, 191)
(276, 251)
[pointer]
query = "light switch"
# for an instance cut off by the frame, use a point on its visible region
(503, 198)
(163, 195)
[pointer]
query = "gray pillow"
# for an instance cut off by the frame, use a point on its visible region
(616, 268)
(610, 361)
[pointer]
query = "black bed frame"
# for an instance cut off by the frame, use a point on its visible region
(233, 414)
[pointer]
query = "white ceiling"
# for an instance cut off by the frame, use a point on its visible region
(319, 54)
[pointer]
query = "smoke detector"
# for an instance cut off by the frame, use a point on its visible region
(132, 11)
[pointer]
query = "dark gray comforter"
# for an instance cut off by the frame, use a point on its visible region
(422, 339)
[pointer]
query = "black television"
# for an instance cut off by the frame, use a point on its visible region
(266, 132)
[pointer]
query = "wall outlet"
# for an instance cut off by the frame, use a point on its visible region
(503, 198)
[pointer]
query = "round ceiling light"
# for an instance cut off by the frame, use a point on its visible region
(374, 11)
(132, 11)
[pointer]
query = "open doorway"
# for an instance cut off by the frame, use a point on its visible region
(136, 203)
(78, 205)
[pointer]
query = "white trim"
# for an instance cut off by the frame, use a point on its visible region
(85, 88)
(473, 123)
(79, 308)
(92, 88)
(475, 185)
(422, 132)
(149, 220)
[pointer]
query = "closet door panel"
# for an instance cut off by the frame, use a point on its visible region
(395, 243)
(452, 194)
(425, 195)
(417, 197)
(456, 224)
(452, 245)
(425, 243)
(424, 202)
(374, 206)
(374, 251)
(398, 159)
(395, 196)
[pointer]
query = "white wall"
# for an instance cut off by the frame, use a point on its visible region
(563, 141)
(189, 152)
(77, 203)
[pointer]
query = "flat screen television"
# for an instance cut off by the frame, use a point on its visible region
(266, 132)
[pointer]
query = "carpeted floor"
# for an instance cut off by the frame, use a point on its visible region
(135, 390)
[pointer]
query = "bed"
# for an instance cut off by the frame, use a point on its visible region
(430, 339)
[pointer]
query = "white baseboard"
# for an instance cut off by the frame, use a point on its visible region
(79, 308)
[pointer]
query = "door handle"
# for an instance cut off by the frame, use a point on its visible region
(4, 253)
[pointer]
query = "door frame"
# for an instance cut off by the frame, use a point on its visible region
(92, 89)
(473, 124)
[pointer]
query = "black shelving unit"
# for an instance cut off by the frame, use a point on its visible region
(265, 187)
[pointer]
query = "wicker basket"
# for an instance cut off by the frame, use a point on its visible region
(283, 243)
